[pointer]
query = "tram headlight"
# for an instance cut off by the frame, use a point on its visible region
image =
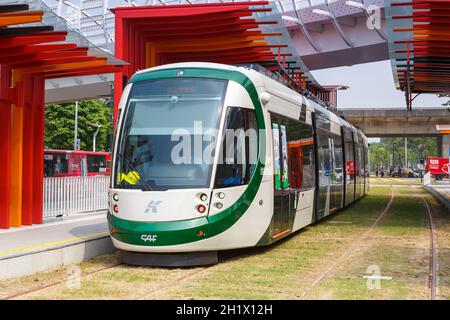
(115, 197)
(116, 208)
(218, 205)
(201, 208)
(220, 195)
(203, 197)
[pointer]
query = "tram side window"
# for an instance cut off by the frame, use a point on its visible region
(300, 149)
(366, 160)
(349, 156)
(361, 160)
(239, 148)
(324, 151)
(358, 160)
(337, 158)
(301, 154)
(308, 166)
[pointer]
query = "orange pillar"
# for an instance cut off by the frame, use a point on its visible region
(15, 218)
(5, 134)
(37, 182)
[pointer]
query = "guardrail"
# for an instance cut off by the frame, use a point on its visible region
(72, 195)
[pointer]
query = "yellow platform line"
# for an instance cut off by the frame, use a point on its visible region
(54, 243)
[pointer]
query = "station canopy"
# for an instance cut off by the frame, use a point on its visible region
(223, 32)
(27, 18)
(419, 46)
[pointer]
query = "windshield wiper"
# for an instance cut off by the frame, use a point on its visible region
(143, 182)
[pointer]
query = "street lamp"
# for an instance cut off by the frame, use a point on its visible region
(97, 125)
(76, 143)
(421, 161)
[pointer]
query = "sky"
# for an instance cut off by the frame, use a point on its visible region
(371, 86)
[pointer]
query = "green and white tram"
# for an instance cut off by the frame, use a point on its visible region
(211, 157)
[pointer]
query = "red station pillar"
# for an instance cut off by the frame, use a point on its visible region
(5, 137)
(38, 117)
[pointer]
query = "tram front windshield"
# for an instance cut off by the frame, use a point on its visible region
(168, 134)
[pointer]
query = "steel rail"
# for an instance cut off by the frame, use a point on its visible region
(433, 267)
(347, 253)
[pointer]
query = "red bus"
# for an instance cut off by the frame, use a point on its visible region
(438, 167)
(72, 163)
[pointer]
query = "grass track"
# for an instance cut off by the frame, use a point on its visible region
(286, 270)
(394, 181)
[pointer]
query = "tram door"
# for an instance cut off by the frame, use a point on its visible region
(280, 221)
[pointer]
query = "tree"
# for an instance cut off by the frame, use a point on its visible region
(381, 153)
(379, 157)
(60, 125)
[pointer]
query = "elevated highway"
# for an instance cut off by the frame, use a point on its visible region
(378, 122)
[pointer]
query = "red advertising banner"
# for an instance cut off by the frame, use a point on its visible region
(437, 165)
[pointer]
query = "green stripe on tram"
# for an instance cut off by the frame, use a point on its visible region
(185, 231)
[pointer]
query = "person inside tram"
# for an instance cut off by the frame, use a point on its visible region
(143, 154)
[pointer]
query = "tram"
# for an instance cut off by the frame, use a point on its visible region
(211, 157)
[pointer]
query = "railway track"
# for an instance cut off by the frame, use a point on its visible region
(433, 251)
(433, 265)
(175, 282)
(347, 253)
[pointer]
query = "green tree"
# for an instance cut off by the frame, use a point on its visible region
(383, 151)
(379, 157)
(60, 125)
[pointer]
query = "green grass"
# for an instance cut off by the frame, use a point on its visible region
(407, 214)
(398, 246)
(394, 181)
(287, 269)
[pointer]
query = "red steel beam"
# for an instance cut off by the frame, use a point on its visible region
(28, 49)
(42, 56)
(41, 37)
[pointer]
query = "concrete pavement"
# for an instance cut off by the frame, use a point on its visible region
(36, 248)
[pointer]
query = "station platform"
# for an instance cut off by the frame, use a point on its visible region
(61, 242)
(441, 191)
